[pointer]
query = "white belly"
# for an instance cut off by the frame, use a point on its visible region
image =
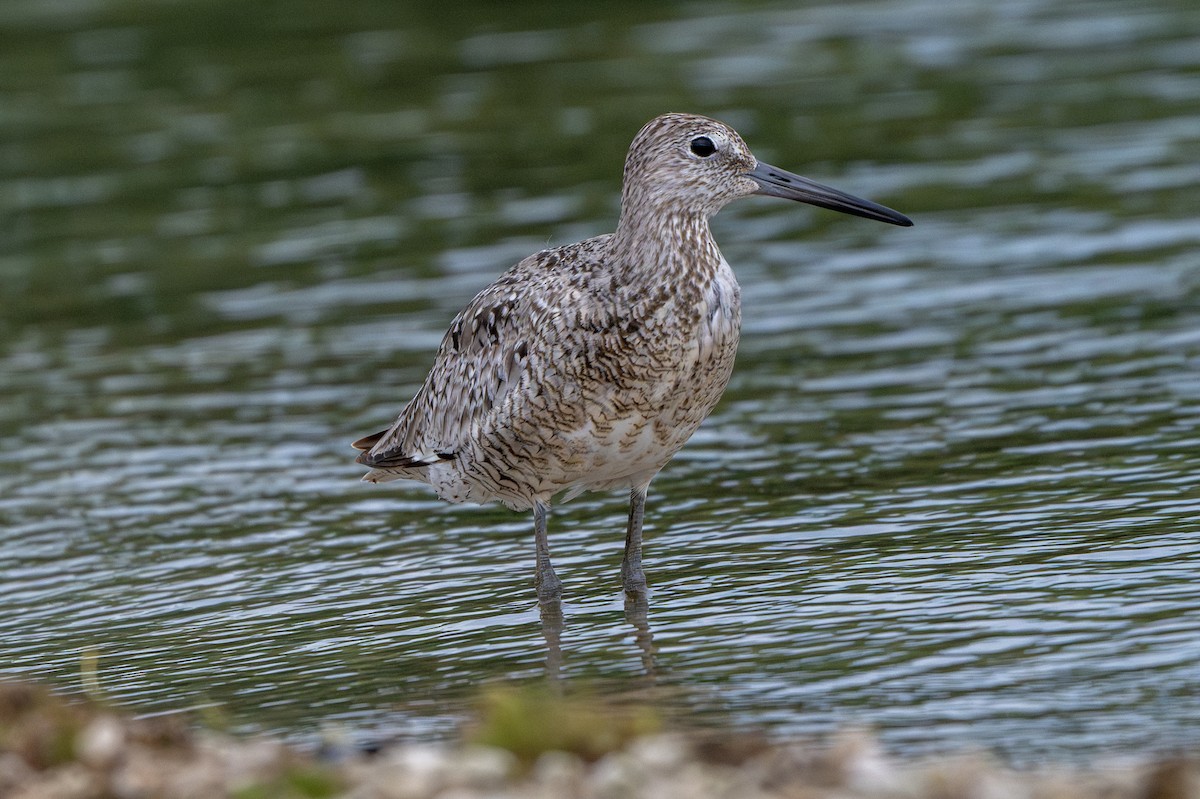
(638, 446)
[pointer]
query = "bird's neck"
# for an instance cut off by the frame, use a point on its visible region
(665, 244)
(668, 262)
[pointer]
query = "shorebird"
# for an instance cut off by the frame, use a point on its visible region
(587, 367)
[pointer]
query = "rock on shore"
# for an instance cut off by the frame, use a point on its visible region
(51, 748)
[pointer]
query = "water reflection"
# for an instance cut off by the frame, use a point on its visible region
(552, 628)
(637, 614)
(637, 617)
(950, 492)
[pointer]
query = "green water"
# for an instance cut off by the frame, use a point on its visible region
(952, 491)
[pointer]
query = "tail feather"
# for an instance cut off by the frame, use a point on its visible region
(366, 442)
(377, 476)
(397, 460)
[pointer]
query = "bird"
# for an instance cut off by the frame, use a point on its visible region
(586, 367)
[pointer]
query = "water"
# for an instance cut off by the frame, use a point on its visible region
(952, 492)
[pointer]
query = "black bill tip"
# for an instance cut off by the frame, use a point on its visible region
(775, 182)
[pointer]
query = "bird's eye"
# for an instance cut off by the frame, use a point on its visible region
(703, 146)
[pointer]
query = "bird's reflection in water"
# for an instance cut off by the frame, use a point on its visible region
(552, 627)
(637, 609)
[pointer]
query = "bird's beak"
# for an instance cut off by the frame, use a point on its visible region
(776, 182)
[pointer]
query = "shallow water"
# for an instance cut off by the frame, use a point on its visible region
(952, 491)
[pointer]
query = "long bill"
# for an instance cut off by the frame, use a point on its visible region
(777, 182)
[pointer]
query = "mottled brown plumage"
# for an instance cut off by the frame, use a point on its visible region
(587, 367)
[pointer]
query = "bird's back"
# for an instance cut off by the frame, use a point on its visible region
(572, 371)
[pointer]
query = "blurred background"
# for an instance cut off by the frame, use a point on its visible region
(952, 492)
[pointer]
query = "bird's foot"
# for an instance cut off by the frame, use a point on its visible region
(549, 587)
(633, 578)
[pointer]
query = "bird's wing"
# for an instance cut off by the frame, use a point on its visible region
(494, 342)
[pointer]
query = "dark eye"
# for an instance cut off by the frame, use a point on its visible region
(703, 146)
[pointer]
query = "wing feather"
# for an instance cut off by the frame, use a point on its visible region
(490, 348)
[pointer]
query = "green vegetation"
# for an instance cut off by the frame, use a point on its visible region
(529, 721)
(304, 781)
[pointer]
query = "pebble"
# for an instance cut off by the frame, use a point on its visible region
(116, 757)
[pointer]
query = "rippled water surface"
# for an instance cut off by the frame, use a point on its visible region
(952, 491)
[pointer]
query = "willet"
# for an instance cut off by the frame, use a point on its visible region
(587, 367)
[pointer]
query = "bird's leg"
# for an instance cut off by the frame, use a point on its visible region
(631, 565)
(549, 587)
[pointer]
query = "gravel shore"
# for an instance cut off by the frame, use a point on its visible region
(56, 749)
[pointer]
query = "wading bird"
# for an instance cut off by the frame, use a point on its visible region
(587, 367)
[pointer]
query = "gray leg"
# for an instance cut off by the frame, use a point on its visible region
(549, 587)
(631, 566)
